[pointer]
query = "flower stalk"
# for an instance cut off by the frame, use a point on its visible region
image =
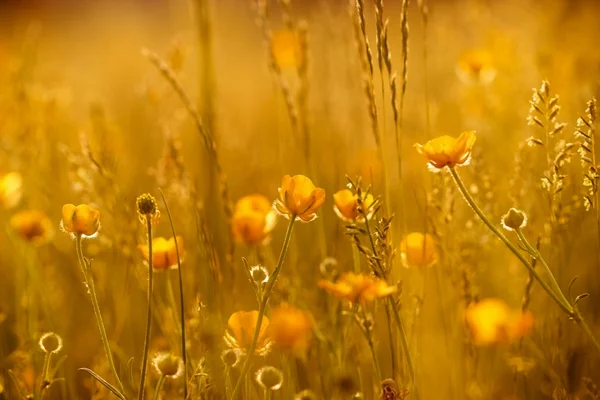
(149, 314)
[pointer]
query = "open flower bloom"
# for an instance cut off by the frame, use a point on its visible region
(253, 219)
(418, 250)
(291, 330)
(33, 226)
(346, 205)
(476, 66)
(164, 252)
(286, 49)
(241, 330)
(358, 288)
(446, 151)
(80, 220)
(492, 321)
(11, 189)
(299, 198)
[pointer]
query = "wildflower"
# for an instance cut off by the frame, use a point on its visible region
(50, 342)
(286, 48)
(33, 226)
(346, 205)
(492, 321)
(270, 378)
(476, 66)
(358, 288)
(11, 189)
(231, 357)
(418, 250)
(164, 252)
(448, 151)
(291, 330)
(299, 198)
(259, 275)
(242, 325)
(168, 365)
(514, 219)
(147, 208)
(253, 219)
(80, 220)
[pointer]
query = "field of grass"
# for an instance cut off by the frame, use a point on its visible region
(292, 199)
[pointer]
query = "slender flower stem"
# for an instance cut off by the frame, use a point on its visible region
(44, 380)
(263, 305)
(555, 294)
(149, 314)
(89, 281)
(356, 259)
(181, 297)
(159, 386)
(369, 337)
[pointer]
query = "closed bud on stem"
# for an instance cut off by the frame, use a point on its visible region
(514, 219)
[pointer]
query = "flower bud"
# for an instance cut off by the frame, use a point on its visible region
(50, 342)
(168, 365)
(259, 274)
(514, 219)
(269, 378)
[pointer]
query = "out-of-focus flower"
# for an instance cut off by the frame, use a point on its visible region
(446, 151)
(418, 250)
(253, 219)
(231, 357)
(270, 378)
(346, 205)
(168, 365)
(50, 342)
(286, 48)
(147, 209)
(358, 288)
(33, 226)
(476, 66)
(164, 252)
(11, 189)
(299, 198)
(241, 329)
(291, 330)
(80, 220)
(492, 321)
(514, 219)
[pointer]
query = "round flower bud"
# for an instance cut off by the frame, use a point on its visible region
(231, 357)
(259, 274)
(168, 365)
(514, 219)
(50, 342)
(80, 220)
(269, 378)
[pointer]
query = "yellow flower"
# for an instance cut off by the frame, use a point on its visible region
(11, 189)
(299, 198)
(286, 48)
(291, 330)
(33, 226)
(492, 321)
(164, 252)
(476, 66)
(418, 250)
(80, 220)
(253, 219)
(241, 330)
(448, 151)
(358, 288)
(346, 205)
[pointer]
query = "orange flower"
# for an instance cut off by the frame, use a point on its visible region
(164, 252)
(33, 226)
(253, 219)
(286, 49)
(291, 330)
(418, 250)
(358, 288)
(11, 189)
(476, 66)
(448, 151)
(492, 321)
(346, 205)
(80, 220)
(299, 198)
(242, 325)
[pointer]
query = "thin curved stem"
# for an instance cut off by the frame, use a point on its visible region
(149, 314)
(263, 305)
(89, 281)
(159, 386)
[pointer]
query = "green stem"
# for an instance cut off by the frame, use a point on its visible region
(263, 306)
(149, 314)
(356, 259)
(45, 380)
(89, 281)
(159, 386)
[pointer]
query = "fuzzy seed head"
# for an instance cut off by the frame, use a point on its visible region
(50, 342)
(270, 378)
